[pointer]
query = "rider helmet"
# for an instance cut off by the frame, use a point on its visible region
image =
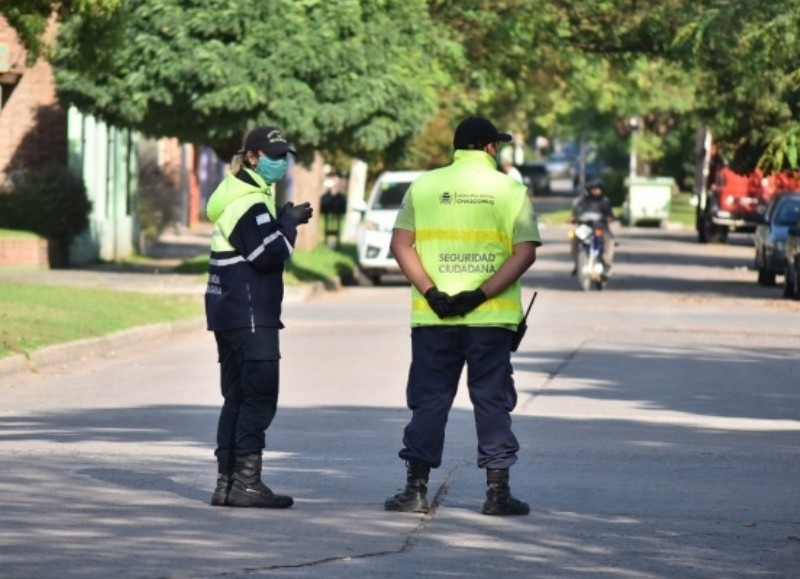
(594, 184)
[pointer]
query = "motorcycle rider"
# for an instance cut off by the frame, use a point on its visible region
(594, 201)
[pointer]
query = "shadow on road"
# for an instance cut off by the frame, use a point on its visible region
(333, 460)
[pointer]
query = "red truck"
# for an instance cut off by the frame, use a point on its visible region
(726, 201)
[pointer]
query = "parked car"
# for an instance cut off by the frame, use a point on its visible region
(375, 230)
(782, 212)
(535, 177)
(560, 166)
(791, 275)
(561, 169)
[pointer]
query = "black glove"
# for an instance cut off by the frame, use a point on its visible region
(302, 212)
(439, 302)
(466, 301)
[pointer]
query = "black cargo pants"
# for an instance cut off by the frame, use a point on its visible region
(249, 378)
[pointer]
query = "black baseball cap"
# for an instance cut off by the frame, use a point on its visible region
(271, 140)
(476, 133)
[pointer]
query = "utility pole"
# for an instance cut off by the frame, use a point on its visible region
(633, 123)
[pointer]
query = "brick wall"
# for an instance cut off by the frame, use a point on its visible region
(33, 126)
(23, 251)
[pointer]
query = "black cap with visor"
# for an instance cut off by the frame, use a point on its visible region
(477, 132)
(271, 140)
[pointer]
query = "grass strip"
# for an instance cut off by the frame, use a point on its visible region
(34, 316)
(322, 263)
(18, 233)
(682, 211)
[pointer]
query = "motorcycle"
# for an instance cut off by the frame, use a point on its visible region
(591, 271)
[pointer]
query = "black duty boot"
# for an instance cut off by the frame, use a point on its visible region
(224, 482)
(247, 490)
(412, 499)
(499, 500)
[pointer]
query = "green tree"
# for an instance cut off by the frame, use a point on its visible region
(747, 58)
(363, 78)
(348, 76)
(572, 69)
(30, 18)
(496, 72)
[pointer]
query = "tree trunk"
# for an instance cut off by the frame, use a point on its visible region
(58, 253)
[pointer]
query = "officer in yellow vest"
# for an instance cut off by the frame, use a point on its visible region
(464, 236)
(252, 240)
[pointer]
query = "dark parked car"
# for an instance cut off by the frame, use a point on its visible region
(791, 275)
(535, 177)
(771, 233)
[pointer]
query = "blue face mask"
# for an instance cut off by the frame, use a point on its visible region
(272, 169)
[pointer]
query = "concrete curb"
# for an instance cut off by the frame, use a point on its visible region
(13, 365)
(94, 347)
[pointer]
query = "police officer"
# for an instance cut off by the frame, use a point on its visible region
(463, 237)
(250, 244)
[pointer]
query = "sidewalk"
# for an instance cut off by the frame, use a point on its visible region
(152, 274)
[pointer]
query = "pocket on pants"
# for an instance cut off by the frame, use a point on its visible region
(510, 390)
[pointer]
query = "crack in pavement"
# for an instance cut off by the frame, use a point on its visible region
(552, 375)
(407, 545)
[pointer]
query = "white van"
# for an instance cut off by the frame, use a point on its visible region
(375, 229)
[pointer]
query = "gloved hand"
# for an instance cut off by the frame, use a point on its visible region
(302, 212)
(466, 301)
(439, 302)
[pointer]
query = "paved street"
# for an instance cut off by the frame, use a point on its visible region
(659, 420)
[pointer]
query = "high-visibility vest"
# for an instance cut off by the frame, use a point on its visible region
(464, 218)
(232, 199)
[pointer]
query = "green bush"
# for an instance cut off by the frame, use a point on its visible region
(614, 187)
(50, 201)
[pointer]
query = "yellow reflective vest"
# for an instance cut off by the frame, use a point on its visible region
(464, 216)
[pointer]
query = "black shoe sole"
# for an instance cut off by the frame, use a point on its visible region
(415, 507)
(501, 512)
(256, 505)
(255, 502)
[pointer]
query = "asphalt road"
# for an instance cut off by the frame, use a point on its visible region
(660, 425)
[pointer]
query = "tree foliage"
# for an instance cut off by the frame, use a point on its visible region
(30, 18)
(747, 54)
(379, 77)
(353, 76)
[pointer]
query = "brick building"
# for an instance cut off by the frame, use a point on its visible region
(33, 126)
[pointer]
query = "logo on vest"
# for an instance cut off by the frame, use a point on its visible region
(447, 198)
